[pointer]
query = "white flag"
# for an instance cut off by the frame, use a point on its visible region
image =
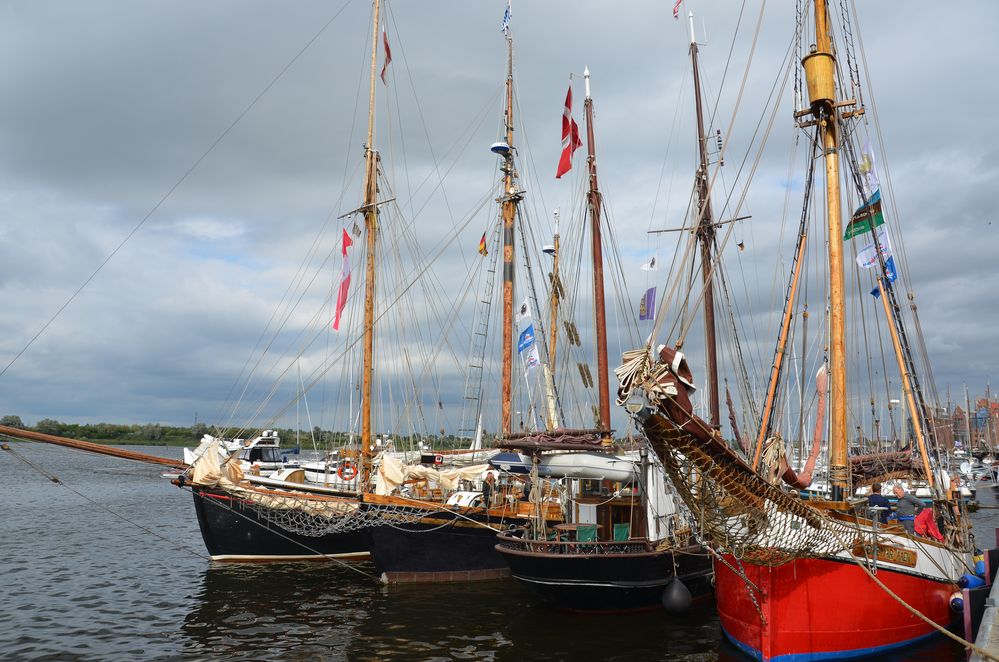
(651, 265)
(531, 357)
(868, 255)
(868, 171)
(524, 312)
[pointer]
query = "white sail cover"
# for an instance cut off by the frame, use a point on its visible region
(392, 473)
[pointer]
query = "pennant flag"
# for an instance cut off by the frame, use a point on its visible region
(868, 172)
(890, 275)
(526, 339)
(651, 265)
(868, 256)
(570, 137)
(524, 312)
(866, 218)
(482, 245)
(676, 9)
(647, 306)
(532, 359)
(341, 297)
(388, 55)
(507, 15)
(356, 230)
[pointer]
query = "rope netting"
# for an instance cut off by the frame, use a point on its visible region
(316, 516)
(737, 510)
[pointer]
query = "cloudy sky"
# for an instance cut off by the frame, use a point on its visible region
(230, 132)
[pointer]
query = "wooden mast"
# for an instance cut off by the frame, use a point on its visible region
(820, 69)
(967, 417)
(595, 205)
(553, 421)
(917, 421)
(370, 208)
(509, 200)
(706, 233)
(785, 327)
(552, 343)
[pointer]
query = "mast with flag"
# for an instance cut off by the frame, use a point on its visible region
(706, 234)
(595, 203)
(370, 208)
(511, 196)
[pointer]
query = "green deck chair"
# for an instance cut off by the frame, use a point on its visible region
(622, 532)
(587, 533)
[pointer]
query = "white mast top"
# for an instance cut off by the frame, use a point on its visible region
(586, 80)
(690, 18)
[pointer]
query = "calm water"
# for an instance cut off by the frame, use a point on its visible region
(121, 573)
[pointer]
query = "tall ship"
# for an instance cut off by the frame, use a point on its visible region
(432, 537)
(626, 543)
(804, 569)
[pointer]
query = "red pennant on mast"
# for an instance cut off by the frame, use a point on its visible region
(388, 55)
(341, 297)
(570, 137)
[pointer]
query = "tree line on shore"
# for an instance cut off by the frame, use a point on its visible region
(169, 435)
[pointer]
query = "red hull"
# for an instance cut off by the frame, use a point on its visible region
(820, 609)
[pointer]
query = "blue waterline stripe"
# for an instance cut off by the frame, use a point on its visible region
(833, 655)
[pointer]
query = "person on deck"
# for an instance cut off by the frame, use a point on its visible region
(906, 508)
(876, 499)
(487, 491)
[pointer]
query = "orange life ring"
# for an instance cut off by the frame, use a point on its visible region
(347, 470)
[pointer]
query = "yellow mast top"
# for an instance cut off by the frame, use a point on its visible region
(820, 74)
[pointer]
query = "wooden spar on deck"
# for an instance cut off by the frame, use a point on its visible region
(917, 420)
(510, 198)
(820, 69)
(595, 204)
(371, 228)
(90, 447)
(706, 233)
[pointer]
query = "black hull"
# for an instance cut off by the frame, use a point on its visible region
(608, 581)
(441, 547)
(233, 531)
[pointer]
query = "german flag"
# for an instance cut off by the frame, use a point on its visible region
(482, 245)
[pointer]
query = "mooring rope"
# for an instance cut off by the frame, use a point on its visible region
(939, 628)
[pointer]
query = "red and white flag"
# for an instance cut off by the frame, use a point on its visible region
(676, 9)
(570, 137)
(388, 55)
(341, 297)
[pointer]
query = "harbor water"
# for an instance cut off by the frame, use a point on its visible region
(108, 564)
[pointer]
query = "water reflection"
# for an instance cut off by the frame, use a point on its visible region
(305, 610)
